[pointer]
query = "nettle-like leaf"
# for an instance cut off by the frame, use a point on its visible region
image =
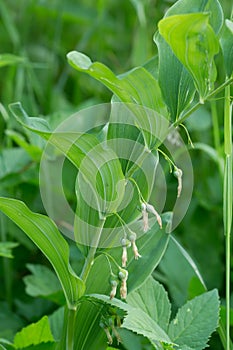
(136, 320)
(226, 41)
(34, 334)
(43, 283)
(152, 298)
(195, 321)
(44, 233)
(137, 86)
(195, 44)
(6, 249)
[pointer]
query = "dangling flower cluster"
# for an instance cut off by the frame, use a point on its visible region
(110, 320)
(148, 208)
(178, 174)
(127, 243)
(114, 281)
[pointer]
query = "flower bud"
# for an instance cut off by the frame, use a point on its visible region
(132, 238)
(125, 244)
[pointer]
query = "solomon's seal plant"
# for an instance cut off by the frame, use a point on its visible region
(120, 235)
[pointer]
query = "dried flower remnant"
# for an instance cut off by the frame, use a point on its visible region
(125, 244)
(114, 284)
(178, 174)
(123, 275)
(145, 218)
(106, 330)
(152, 210)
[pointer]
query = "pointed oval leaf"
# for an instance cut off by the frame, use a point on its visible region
(195, 44)
(137, 86)
(44, 233)
(213, 7)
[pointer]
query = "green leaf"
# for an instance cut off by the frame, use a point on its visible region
(43, 283)
(10, 322)
(12, 161)
(152, 298)
(195, 321)
(6, 249)
(175, 81)
(8, 59)
(139, 322)
(213, 7)
(33, 151)
(177, 282)
(136, 320)
(173, 76)
(195, 44)
(226, 42)
(137, 86)
(34, 334)
(43, 232)
(56, 321)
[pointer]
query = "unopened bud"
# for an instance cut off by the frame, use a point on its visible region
(123, 275)
(134, 246)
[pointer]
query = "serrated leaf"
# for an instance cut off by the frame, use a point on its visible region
(6, 249)
(44, 233)
(152, 298)
(137, 86)
(43, 283)
(195, 44)
(226, 41)
(136, 320)
(195, 321)
(34, 334)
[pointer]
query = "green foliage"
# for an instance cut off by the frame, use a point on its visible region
(44, 233)
(34, 334)
(195, 321)
(6, 249)
(192, 56)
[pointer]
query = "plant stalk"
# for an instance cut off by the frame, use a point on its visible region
(91, 254)
(227, 83)
(227, 203)
(70, 329)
